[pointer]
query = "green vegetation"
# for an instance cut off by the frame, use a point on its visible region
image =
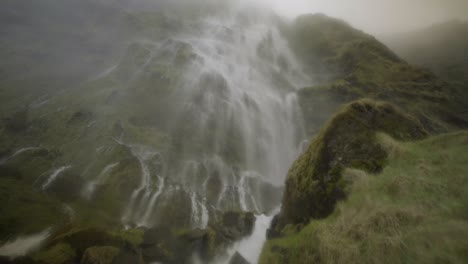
(415, 211)
(314, 182)
(353, 65)
(57, 254)
(25, 211)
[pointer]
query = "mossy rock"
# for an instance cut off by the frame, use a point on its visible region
(174, 209)
(99, 255)
(72, 243)
(314, 183)
(61, 253)
(237, 224)
(82, 238)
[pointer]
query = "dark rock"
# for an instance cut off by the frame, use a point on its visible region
(100, 255)
(237, 258)
(237, 224)
(128, 255)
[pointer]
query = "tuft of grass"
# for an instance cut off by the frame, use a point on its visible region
(415, 211)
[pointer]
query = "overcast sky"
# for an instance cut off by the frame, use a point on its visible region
(379, 16)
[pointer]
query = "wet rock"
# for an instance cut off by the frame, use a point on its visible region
(100, 255)
(128, 255)
(174, 209)
(157, 243)
(80, 239)
(237, 224)
(237, 258)
(161, 244)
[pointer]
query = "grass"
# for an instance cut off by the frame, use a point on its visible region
(415, 211)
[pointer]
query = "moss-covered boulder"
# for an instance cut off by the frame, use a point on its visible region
(179, 245)
(72, 244)
(237, 224)
(99, 255)
(314, 183)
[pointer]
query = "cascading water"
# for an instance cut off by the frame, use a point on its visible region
(101, 179)
(237, 124)
(56, 173)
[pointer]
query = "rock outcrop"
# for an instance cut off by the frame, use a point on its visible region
(314, 183)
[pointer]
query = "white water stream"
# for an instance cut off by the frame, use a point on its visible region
(23, 245)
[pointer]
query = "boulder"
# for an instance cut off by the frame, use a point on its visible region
(236, 225)
(100, 255)
(237, 258)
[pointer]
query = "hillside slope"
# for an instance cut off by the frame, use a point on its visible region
(346, 199)
(356, 65)
(415, 211)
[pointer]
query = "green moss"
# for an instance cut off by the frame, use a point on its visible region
(23, 210)
(101, 255)
(314, 183)
(415, 211)
(58, 254)
(132, 236)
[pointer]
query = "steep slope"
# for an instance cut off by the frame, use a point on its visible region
(369, 139)
(415, 211)
(180, 136)
(356, 65)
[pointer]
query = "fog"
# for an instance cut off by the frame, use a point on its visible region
(378, 16)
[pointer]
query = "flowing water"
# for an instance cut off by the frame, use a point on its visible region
(101, 179)
(22, 245)
(56, 173)
(241, 122)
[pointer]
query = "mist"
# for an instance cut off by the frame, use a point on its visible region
(378, 16)
(195, 131)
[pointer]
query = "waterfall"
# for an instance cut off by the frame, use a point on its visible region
(101, 178)
(140, 197)
(17, 153)
(24, 244)
(54, 176)
(236, 117)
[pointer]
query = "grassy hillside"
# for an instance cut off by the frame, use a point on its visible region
(349, 64)
(415, 211)
(365, 191)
